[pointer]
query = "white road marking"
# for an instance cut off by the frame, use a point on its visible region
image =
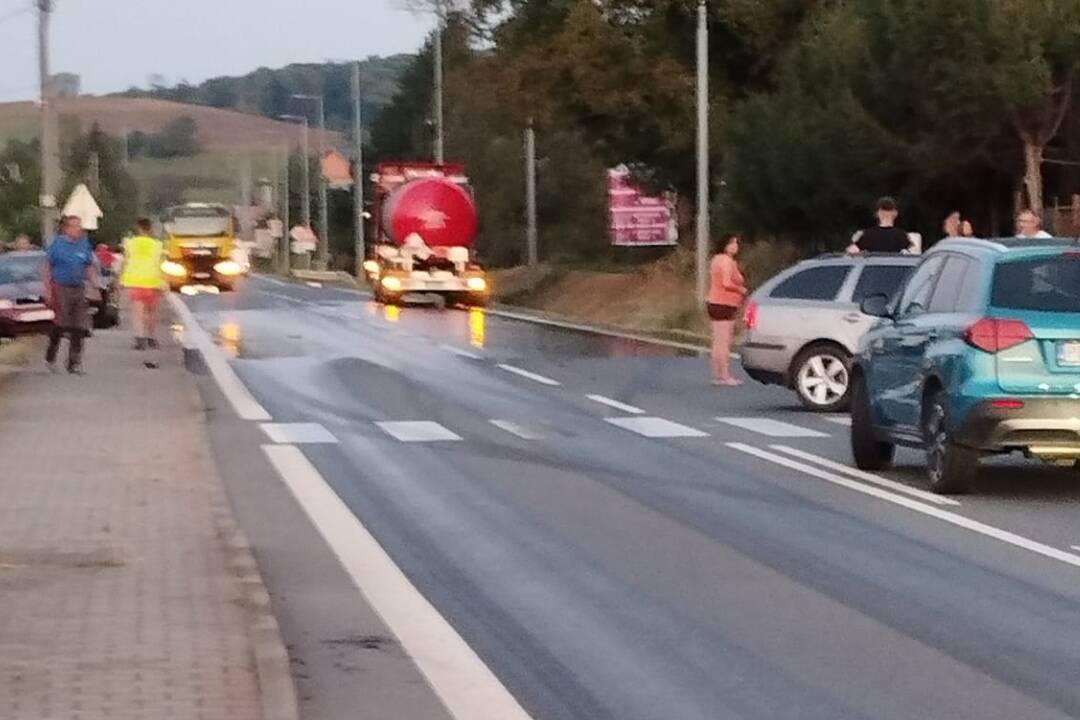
(466, 686)
(313, 284)
(655, 427)
(529, 375)
(299, 433)
(945, 515)
(844, 420)
(772, 428)
(868, 477)
(236, 392)
(522, 431)
(274, 280)
(616, 404)
(462, 353)
(1076, 547)
(418, 431)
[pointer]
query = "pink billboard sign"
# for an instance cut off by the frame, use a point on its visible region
(636, 219)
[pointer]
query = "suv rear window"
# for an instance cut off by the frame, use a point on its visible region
(817, 283)
(879, 280)
(1046, 283)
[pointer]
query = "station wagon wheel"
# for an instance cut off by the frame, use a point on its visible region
(822, 379)
(950, 467)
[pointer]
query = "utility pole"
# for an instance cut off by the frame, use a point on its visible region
(283, 201)
(323, 254)
(305, 204)
(530, 196)
(125, 150)
(50, 150)
(702, 151)
(358, 173)
(438, 51)
(93, 173)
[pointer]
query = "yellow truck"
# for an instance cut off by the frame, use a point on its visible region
(200, 240)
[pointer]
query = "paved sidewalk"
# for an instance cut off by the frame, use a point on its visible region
(116, 595)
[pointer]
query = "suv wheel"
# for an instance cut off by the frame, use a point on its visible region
(950, 467)
(822, 378)
(869, 453)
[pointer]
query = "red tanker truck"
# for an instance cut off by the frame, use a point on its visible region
(423, 223)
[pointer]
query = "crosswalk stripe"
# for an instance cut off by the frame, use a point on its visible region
(621, 406)
(655, 427)
(772, 428)
(529, 375)
(297, 433)
(522, 431)
(418, 431)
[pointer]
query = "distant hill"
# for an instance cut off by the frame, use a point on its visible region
(269, 92)
(218, 130)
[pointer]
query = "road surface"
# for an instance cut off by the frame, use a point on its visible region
(613, 537)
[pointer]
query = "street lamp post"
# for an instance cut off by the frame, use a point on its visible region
(702, 150)
(358, 174)
(438, 52)
(324, 216)
(305, 205)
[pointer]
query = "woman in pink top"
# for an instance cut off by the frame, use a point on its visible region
(727, 290)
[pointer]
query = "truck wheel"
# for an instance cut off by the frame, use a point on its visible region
(869, 453)
(951, 468)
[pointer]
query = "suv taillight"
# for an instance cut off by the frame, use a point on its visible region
(750, 315)
(997, 334)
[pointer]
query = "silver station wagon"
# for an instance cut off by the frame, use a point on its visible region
(802, 327)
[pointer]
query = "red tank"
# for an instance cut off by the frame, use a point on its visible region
(439, 210)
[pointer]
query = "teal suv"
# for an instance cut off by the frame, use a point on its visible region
(978, 353)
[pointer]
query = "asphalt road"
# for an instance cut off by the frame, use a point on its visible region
(615, 538)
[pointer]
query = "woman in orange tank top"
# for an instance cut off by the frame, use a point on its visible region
(727, 290)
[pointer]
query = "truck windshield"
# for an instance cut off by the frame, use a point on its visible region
(196, 224)
(1046, 283)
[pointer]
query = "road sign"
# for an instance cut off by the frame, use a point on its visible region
(82, 205)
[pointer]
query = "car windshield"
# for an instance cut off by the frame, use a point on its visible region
(1046, 283)
(17, 269)
(196, 223)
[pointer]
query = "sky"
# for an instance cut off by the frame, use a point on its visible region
(114, 44)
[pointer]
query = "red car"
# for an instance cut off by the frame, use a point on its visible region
(22, 295)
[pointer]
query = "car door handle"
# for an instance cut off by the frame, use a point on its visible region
(853, 317)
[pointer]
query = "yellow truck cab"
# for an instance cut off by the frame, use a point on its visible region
(199, 241)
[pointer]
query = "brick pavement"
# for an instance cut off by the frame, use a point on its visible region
(116, 595)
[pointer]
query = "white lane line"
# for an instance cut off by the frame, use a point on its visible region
(418, 431)
(466, 686)
(616, 404)
(522, 431)
(529, 375)
(462, 353)
(844, 420)
(654, 427)
(243, 402)
(868, 477)
(1076, 547)
(273, 280)
(772, 428)
(299, 433)
(945, 515)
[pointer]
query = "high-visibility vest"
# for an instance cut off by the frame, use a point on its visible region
(142, 262)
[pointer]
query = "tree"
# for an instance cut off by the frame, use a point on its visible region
(180, 138)
(20, 180)
(118, 193)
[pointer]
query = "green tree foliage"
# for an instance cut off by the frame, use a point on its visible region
(20, 181)
(117, 194)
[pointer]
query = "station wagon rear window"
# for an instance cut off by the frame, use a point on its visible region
(879, 280)
(1046, 283)
(817, 283)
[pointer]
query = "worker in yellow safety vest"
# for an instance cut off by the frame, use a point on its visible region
(143, 278)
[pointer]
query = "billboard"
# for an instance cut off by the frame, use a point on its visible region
(636, 219)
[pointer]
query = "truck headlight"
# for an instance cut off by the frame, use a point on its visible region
(6, 304)
(228, 267)
(391, 283)
(173, 269)
(371, 267)
(476, 284)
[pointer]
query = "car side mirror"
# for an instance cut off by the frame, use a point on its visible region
(876, 306)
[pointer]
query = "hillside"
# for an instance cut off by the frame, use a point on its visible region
(220, 130)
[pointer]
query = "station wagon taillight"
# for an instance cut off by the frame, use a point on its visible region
(750, 315)
(996, 334)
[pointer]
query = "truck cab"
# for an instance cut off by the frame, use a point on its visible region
(200, 238)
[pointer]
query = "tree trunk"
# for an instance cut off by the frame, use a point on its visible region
(1033, 186)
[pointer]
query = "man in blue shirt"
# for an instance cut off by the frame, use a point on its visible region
(69, 267)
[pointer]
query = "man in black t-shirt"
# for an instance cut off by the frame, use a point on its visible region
(884, 237)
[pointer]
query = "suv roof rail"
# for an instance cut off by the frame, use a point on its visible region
(833, 255)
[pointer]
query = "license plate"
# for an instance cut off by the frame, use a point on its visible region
(201, 276)
(36, 316)
(1069, 353)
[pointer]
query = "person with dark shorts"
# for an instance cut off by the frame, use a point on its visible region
(68, 269)
(727, 290)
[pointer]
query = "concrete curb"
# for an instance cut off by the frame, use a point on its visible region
(277, 693)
